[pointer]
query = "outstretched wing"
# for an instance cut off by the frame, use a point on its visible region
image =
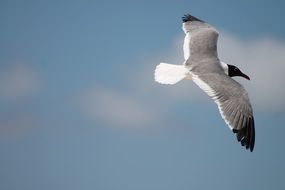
(233, 103)
(200, 39)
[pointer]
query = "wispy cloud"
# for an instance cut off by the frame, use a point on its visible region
(263, 60)
(108, 105)
(16, 126)
(147, 101)
(18, 81)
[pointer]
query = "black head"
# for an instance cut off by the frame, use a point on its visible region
(234, 71)
(188, 17)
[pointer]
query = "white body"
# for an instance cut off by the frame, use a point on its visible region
(166, 73)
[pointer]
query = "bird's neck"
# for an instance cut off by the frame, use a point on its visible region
(225, 67)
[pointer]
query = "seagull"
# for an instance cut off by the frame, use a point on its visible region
(213, 76)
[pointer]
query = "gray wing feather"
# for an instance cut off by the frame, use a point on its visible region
(202, 44)
(233, 103)
(207, 73)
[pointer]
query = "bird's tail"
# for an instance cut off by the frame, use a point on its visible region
(170, 74)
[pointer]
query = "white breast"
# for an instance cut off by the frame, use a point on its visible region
(225, 67)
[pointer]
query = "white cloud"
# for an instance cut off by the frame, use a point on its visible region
(113, 107)
(263, 60)
(18, 81)
(149, 102)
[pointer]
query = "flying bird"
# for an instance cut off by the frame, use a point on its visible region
(213, 76)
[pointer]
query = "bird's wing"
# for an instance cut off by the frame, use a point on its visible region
(233, 103)
(200, 40)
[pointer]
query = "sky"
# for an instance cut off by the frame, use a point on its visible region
(79, 108)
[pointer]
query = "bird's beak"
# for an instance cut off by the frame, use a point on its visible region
(244, 76)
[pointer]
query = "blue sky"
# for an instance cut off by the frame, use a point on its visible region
(79, 108)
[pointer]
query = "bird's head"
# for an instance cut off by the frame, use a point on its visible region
(233, 71)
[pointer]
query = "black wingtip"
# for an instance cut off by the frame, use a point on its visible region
(252, 136)
(246, 135)
(189, 17)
